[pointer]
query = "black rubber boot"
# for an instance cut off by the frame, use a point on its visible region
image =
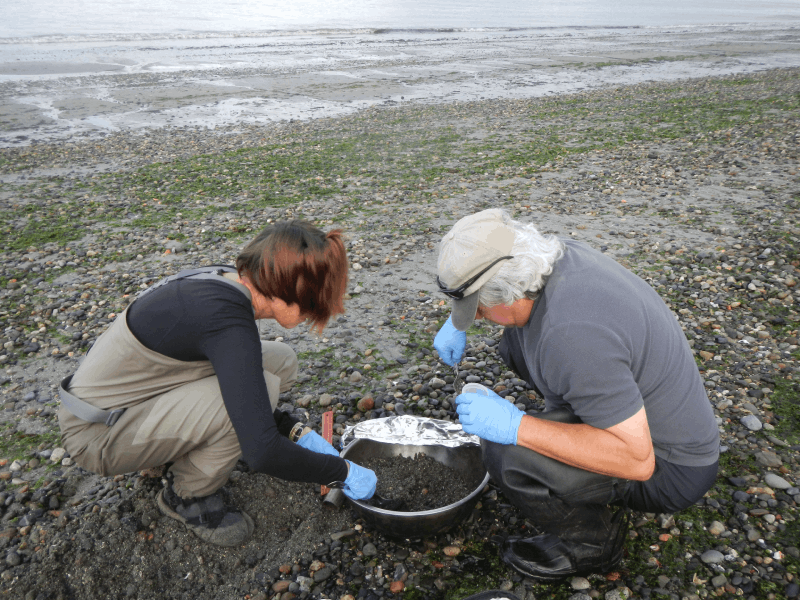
(581, 534)
(590, 540)
(210, 518)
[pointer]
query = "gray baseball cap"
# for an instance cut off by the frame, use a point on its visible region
(471, 253)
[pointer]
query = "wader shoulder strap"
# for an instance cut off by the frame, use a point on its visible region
(199, 273)
(84, 410)
(214, 272)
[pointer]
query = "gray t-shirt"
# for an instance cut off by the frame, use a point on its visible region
(601, 342)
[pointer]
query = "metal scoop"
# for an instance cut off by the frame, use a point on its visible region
(376, 500)
(386, 503)
(457, 383)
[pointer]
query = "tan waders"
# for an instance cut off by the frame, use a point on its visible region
(174, 412)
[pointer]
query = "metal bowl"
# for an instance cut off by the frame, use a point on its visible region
(467, 459)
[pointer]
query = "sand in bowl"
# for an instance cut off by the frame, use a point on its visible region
(421, 483)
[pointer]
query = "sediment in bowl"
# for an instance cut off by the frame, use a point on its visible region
(466, 458)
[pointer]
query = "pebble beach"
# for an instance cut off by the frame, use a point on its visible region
(692, 184)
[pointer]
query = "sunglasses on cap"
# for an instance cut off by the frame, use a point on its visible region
(458, 293)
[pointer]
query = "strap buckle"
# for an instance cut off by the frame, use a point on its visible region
(114, 416)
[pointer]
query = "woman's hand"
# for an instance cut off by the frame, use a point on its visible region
(360, 483)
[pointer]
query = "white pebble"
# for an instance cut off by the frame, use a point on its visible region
(580, 583)
(751, 422)
(774, 481)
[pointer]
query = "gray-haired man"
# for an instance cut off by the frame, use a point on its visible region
(627, 423)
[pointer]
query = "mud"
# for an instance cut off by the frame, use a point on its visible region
(422, 483)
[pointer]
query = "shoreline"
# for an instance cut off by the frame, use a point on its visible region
(691, 186)
(62, 93)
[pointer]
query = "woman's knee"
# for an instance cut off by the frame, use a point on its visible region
(280, 360)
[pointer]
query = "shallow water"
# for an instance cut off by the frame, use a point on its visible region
(85, 19)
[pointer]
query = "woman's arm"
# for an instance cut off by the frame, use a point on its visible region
(228, 337)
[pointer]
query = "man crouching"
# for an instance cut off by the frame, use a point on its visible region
(627, 423)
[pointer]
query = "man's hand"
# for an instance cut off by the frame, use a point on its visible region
(360, 483)
(450, 343)
(316, 443)
(489, 417)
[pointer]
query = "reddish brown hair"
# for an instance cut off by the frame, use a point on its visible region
(298, 263)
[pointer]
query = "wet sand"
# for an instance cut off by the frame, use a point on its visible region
(58, 91)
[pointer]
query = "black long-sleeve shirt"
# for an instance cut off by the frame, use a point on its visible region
(193, 320)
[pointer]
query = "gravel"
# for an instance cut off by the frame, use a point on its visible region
(704, 207)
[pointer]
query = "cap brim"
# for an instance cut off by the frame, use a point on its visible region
(464, 311)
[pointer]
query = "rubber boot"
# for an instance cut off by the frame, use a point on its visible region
(590, 539)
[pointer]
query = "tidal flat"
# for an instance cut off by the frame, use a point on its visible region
(691, 184)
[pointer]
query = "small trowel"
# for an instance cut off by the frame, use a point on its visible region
(333, 496)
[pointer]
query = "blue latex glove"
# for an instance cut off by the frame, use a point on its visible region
(450, 343)
(316, 443)
(489, 417)
(360, 483)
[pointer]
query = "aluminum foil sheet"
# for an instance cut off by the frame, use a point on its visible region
(409, 430)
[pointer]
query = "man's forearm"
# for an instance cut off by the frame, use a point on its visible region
(620, 451)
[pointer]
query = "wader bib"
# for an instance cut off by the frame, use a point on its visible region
(146, 409)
